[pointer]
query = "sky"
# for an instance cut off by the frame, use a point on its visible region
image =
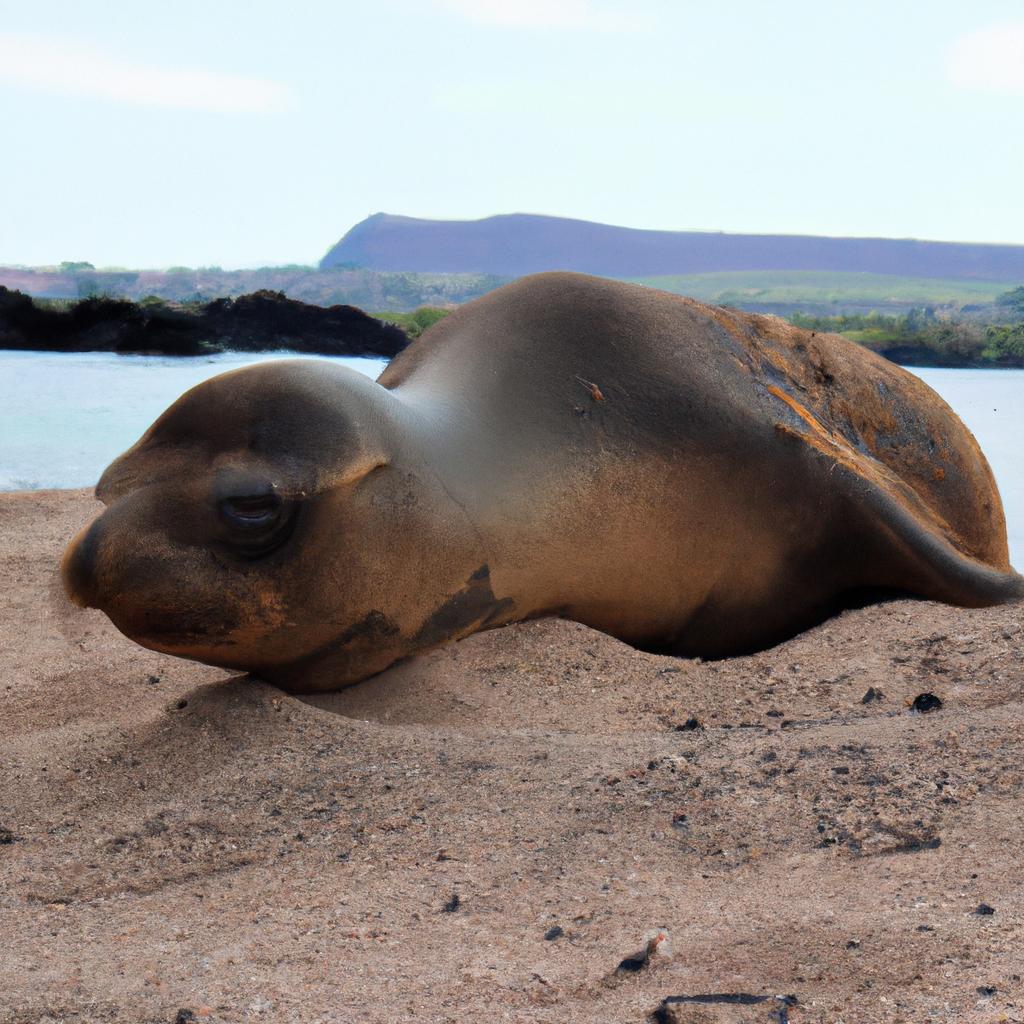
(200, 133)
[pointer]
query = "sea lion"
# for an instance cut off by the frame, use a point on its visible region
(687, 478)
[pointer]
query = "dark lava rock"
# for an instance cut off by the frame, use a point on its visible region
(984, 910)
(264, 321)
(452, 905)
(925, 702)
(185, 1017)
(553, 933)
(987, 990)
(872, 695)
(690, 725)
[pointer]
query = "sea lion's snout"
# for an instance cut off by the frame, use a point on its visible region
(160, 591)
(78, 567)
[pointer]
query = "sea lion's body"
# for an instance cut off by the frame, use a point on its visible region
(689, 479)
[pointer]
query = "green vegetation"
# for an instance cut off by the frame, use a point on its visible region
(922, 338)
(416, 322)
(820, 287)
(1004, 344)
(1013, 301)
(775, 291)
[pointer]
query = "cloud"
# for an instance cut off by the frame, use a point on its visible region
(70, 68)
(543, 14)
(990, 59)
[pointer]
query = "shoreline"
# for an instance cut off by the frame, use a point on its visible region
(206, 353)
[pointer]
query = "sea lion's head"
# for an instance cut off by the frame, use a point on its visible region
(274, 520)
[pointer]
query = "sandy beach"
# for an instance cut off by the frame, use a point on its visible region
(486, 832)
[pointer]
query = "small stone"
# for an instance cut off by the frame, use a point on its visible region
(987, 990)
(184, 1016)
(690, 725)
(925, 702)
(984, 910)
(452, 905)
(872, 695)
(553, 933)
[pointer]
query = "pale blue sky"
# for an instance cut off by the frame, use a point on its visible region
(203, 132)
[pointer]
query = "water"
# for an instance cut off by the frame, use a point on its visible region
(64, 417)
(991, 403)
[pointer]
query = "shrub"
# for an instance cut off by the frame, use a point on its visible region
(1005, 344)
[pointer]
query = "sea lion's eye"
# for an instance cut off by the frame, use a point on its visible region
(251, 511)
(258, 521)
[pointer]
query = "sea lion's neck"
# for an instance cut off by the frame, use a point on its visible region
(496, 481)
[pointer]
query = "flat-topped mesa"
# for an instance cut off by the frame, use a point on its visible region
(510, 245)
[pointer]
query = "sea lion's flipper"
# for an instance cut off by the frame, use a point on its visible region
(926, 561)
(915, 545)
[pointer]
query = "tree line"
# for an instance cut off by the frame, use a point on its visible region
(924, 337)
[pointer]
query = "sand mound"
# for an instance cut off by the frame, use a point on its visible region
(172, 839)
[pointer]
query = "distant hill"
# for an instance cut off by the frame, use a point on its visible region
(515, 244)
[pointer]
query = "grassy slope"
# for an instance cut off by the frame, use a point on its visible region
(815, 286)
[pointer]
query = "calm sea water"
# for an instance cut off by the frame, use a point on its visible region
(991, 403)
(64, 417)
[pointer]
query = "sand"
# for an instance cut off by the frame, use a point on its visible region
(177, 844)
